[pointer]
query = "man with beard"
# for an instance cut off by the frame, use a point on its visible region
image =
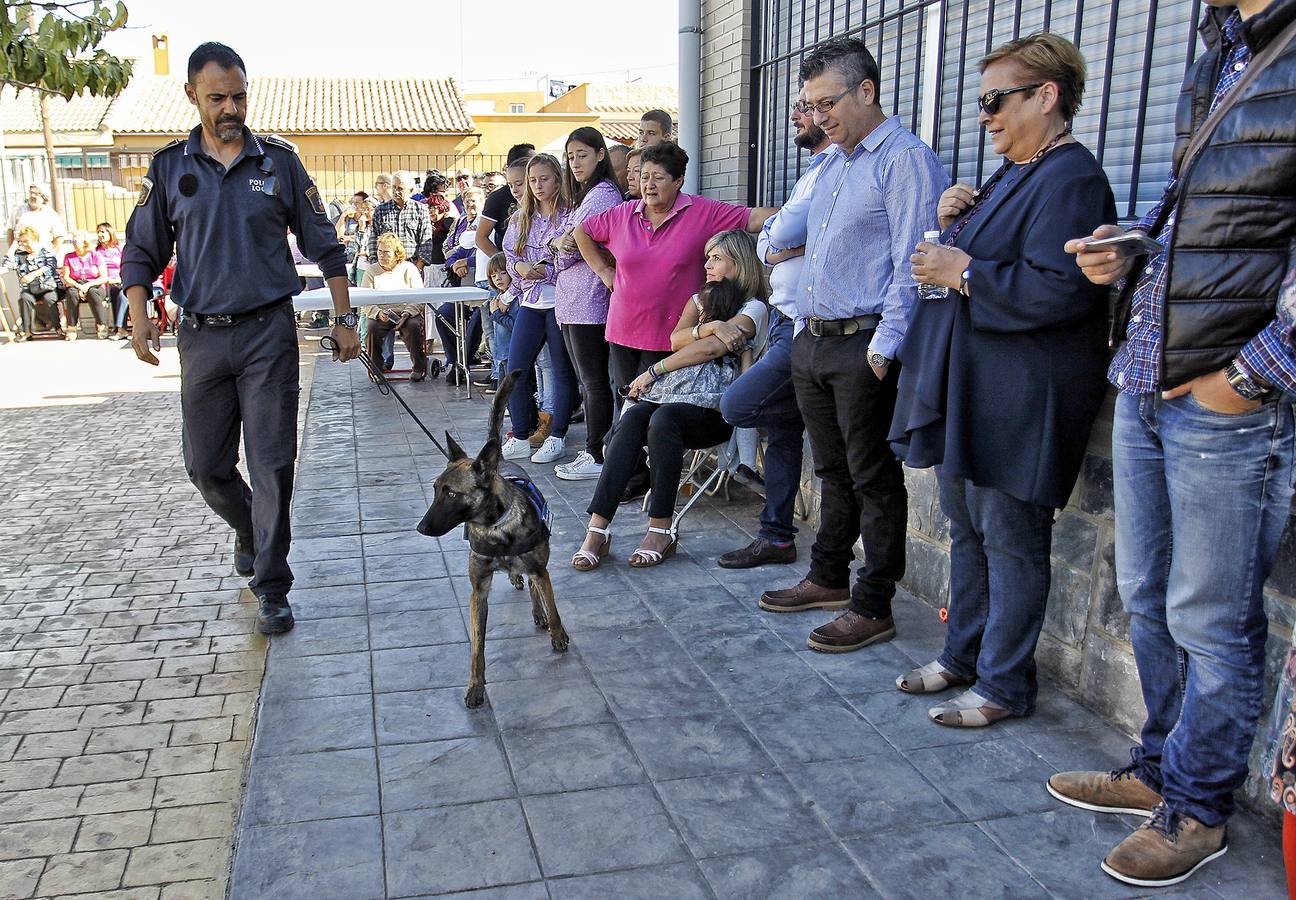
(226, 200)
(763, 396)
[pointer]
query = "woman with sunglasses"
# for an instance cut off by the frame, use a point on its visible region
(1003, 376)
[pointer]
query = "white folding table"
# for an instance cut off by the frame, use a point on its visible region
(431, 298)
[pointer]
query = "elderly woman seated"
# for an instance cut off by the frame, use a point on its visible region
(675, 405)
(390, 273)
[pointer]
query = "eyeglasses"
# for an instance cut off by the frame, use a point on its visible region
(990, 101)
(823, 107)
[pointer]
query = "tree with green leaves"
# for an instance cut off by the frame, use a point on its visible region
(53, 48)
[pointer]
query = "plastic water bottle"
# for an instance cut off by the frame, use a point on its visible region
(932, 291)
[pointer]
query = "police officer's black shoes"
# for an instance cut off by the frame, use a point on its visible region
(275, 615)
(244, 555)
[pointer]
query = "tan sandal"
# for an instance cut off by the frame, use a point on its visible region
(931, 679)
(968, 710)
(649, 558)
(586, 560)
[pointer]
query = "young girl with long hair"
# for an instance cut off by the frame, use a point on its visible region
(582, 298)
(541, 217)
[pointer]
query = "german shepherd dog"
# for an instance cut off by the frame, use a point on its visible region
(506, 533)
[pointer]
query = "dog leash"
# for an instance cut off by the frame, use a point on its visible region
(385, 387)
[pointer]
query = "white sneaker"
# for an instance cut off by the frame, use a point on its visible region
(515, 449)
(551, 450)
(582, 468)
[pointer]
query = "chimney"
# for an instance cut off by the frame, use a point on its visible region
(161, 60)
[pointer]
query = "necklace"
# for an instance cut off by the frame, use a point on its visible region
(983, 194)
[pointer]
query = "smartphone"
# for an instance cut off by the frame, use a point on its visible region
(1132, 243)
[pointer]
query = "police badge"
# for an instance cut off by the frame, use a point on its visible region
(312, 194)
(146, 189)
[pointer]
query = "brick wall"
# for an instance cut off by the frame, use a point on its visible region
(726, 97)
(1085, 646)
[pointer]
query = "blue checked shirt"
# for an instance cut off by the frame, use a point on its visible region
(1270, 355)
(859, 225)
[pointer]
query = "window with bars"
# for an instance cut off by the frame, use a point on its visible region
(927, 51)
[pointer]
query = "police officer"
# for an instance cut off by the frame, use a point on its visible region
(226, 198)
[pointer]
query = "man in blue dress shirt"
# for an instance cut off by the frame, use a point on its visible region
(225, 199)
(874, 196)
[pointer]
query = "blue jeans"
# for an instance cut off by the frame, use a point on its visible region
(763, 396)
(999, 584)
(1201, 502)
(502, 326)
(534, 329)
(545, 380)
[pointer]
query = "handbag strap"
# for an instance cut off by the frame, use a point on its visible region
(1258, 64)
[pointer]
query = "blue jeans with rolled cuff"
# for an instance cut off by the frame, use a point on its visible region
(1202, 499)
(999, 585)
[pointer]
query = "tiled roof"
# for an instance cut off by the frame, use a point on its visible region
(21, 113)
(625, 132)
(631, 99)
(306, 105)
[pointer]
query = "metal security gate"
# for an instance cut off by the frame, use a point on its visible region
(927, 51)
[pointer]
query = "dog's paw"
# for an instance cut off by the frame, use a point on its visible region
(541, 621)
(516, 581)
(476, 696)
(559, 642)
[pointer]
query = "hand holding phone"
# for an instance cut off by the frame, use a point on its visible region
(1131, 243)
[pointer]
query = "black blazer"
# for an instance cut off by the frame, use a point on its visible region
(1002, 388)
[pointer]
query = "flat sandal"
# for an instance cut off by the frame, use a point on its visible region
(930, 679)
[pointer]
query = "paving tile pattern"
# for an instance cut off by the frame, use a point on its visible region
(128, 668)
(687, 746)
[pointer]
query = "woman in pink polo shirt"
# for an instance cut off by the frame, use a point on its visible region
(658, 243)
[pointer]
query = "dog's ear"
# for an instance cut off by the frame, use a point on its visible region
(487, 462)
(456, 452)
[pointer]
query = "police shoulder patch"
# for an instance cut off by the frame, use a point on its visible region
(176, 143)
(145, 191)
(313, 195)
(281, 142)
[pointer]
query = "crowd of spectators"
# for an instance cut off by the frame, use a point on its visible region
(892, 318)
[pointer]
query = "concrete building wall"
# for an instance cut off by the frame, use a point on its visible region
(725, 98)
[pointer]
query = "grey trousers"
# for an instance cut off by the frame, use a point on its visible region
(245, 378)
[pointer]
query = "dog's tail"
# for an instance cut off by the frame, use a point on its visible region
(501, 403)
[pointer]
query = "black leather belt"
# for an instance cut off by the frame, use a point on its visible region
(228, 320)
(838, 327)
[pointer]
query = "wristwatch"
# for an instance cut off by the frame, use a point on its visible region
(877, 360)
(1242, 383)
(349, 320)
(963, 283)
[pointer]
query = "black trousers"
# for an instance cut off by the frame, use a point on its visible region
(27, 302)
(847, 413)
(98, 305)
(245, 378)
(668, 430)
(628, 363)
(587, 348)
(412, 334)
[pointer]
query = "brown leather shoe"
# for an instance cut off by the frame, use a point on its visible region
(758, 553)
(1117, 791)
(805, 595)
(1165, 850)
(850, 631)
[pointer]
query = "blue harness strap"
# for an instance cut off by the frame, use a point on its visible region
(534, 497)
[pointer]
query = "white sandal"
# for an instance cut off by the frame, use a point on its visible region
(652, 558)
(587, 560)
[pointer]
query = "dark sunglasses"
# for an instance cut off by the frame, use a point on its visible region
(990, 101)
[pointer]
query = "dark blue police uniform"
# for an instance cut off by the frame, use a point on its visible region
(237, 339)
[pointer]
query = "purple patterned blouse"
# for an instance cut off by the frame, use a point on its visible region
(537, 293)
(582, 296)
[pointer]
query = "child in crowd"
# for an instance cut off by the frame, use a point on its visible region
(503, 312)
